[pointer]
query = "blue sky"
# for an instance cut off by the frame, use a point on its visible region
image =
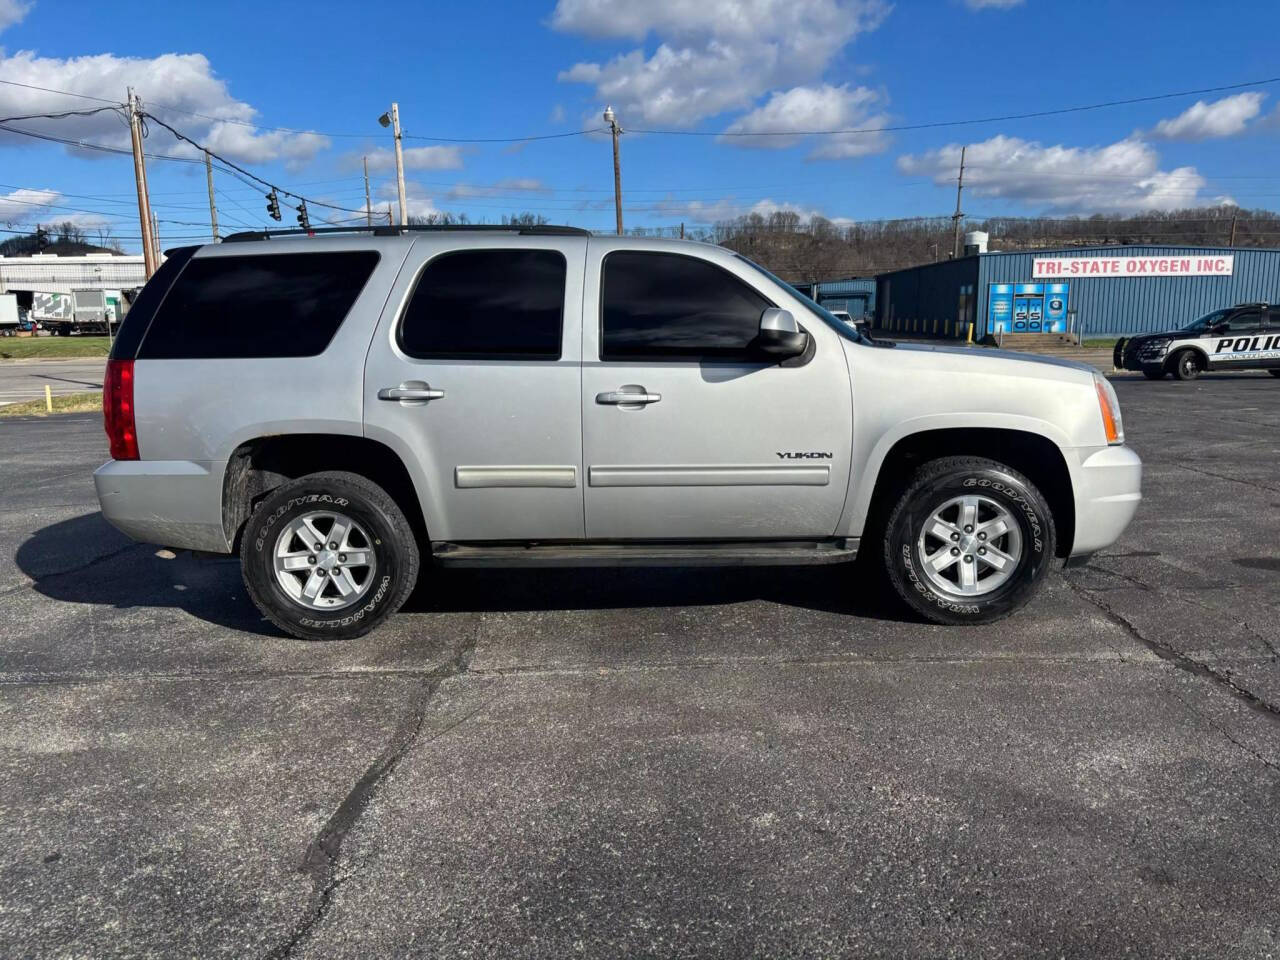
(761, 68)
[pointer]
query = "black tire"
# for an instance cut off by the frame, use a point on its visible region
(391, 540)
(1274, 373)
(1153, 374)
(1185, 365)
(932, 486)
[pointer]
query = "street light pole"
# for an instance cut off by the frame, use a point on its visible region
(612, 121)
(392, 119)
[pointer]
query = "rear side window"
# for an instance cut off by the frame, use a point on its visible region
(665, 306)
(487, 305)
(264, 305)
(148, 301)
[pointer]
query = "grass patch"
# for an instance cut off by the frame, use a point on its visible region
(28, 348)
(88, 402)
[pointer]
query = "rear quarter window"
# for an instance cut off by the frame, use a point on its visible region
(257, 305)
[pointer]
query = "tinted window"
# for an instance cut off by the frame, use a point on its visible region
(148, 301)
(1246, 321)
(487, 304)
(265, 305)
(664, 306)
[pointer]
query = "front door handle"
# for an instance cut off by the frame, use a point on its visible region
(411, 391)
(637, 395)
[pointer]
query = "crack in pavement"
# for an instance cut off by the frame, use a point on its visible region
(1222, 476)
(79, 568)
(321, 859)
(1177, 658)
(1272, 653)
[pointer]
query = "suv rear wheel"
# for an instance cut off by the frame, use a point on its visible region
(969, 541)
(328, 556)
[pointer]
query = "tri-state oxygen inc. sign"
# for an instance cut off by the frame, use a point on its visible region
(1194, 265)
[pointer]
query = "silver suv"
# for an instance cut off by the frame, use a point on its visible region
(341, 407)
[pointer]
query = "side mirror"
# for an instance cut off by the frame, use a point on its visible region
(780, 337)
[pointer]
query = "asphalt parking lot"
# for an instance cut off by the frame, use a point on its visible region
(652, 762)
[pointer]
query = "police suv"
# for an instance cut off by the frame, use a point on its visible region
(1243, 337)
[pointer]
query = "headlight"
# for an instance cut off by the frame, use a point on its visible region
(1154, 348)
(1109, 407)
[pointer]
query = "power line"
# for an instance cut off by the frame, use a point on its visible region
(246, 173)
(960, 123)
(543, 136)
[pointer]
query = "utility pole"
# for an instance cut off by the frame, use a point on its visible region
(612, 121)
(1232, 242)
(390, 219)
(213, 207)
(392, 119)
(140, 180)
(368, 210)
(958, 216)
(155, 239)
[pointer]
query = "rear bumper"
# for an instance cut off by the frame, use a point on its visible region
(1108, 489)
(173, 503)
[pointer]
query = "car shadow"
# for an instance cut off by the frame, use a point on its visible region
(84, 560)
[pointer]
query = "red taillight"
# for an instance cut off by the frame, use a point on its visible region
(117, 410)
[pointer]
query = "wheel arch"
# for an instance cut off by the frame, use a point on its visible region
(258, 466)
(1036, 456)
(1201, 355)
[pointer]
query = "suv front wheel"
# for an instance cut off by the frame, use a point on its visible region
(328, 556)
(969, 541)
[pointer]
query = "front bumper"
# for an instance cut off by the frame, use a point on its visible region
(1108, 489)
(173, 503)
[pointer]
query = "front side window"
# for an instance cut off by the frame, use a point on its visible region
(258, 305)
(1246, 321)
(487, 305)
(667, 306)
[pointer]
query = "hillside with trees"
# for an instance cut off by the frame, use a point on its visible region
(64, 239)
(804, 250)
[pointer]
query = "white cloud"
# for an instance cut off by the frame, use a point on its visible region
(992, 4)
(815, 108)
(23, 206)
(415, 158)
(12, 11)
(179, 82)
(529, 185)
(1203, 121)
(417, 199)
(1119, 177)
(713, 55)
(729, 208)
(557, 115)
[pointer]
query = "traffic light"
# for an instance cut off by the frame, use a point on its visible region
(42, 237)
(303, 221)
(273, 205)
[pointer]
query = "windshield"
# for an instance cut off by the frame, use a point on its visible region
(1205, 322)
(842, 327)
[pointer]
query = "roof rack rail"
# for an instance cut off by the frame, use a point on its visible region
(535, 230)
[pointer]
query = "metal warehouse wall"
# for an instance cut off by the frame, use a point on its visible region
(920, 299)
(844, 289)
(1125, 305)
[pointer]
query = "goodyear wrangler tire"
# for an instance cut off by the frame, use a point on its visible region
(969, 542)
(328, 556)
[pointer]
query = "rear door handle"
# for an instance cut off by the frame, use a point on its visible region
(627, 396)
(411, 390)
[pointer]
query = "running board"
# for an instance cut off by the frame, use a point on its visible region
(645, 554)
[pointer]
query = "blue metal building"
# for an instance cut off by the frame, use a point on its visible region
(1106, 291)
(856, 295)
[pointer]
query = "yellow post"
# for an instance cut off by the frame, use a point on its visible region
(48, 398)
(971, 333)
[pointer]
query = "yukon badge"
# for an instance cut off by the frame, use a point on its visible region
(804, 455)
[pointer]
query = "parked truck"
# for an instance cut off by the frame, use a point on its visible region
(80, 311)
